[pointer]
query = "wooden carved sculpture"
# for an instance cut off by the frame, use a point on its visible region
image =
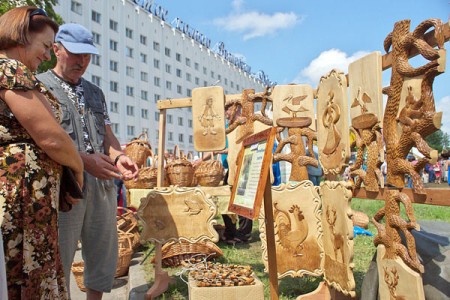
(336, 237)
(389, 234)
(293, 228)
(418, 117)
(391, 278)
(368, 139)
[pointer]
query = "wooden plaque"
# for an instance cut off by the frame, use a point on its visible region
(254, 163)
(177, 213)
(208, 115)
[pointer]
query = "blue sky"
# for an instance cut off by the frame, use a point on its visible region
(300, 40)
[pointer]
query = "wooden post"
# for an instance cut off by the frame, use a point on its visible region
(270, 232)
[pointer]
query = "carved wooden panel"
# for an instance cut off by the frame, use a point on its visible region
(338, 236)
(298, 230)
(177, 213)
(208, 117)
(293, 103)
(332, 122)
(396, 279)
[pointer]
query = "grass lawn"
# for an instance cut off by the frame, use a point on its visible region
(290, 288)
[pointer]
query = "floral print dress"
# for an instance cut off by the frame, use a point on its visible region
(29, 186)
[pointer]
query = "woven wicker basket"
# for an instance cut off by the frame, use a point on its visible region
(123, 261)
(77, 270)
(139, 149)
(180, 171)
(147, 179)
(174, 253)
(360, 219)
(209, 172)
(127, 225)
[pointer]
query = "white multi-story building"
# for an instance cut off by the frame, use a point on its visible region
(143, 58)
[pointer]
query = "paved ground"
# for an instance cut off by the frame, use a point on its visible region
(132, 286)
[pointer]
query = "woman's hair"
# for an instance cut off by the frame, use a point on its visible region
(17, 24)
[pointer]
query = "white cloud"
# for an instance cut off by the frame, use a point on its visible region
(444, 106)
(324, 63)
(254, 24)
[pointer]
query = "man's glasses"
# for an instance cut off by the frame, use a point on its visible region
(38, 12)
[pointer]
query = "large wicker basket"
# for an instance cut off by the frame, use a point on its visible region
(139, 149)
(123, 261)
(179, 170)
(77, 270)
(127, 227)
(174, 253)
(209, 172)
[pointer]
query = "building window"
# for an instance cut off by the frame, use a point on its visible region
(113, 25)
(196, 66)
(170, 136)
(191, 139)
(178, 56)
(156, 63)
(167, 52)
(144, 58)
(130, 71)
(168, 85)
(144, 95)
(113, 45)
(232, 84)
(205, 83)
(115, 128)
(219, 77)
(156, 116)
(143, 39)
(178, 73)
(237, 87)
(129, 33)
(168, 68)
(96, 16)
(188, 76)
(130, 130)
(130, 91)
(130, 110)
(113, 65)
(157, 98)
(113, 86)
(96, 38)
(169, 119)
(190, 123)
(180, 137)
(197, 80)
(156, 46)
(144, 113)
(179, 89)
(114, 107)
(157, 81)
(95, 59)
(95, 80)
(189, 92)
(76, 7)
(129, 52)
(204, 70)
(212, 74)
(226, 81)
(144, 76)
(180, 121)
(188, 62)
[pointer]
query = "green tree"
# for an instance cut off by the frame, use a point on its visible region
(45, 4)
(436, 140)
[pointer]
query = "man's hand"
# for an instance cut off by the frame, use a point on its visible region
(127, 168)
(100, 165)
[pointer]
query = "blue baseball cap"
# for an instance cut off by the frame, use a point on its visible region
(76, 39)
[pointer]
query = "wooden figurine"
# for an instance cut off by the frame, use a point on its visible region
(298, 230)
(208, 118)
(338, 236)
(366, 112)
(332, 116)
(417, 117)
(177, 213)
(294, 110)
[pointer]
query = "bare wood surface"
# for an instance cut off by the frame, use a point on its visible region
(185, 102)
(433, 197)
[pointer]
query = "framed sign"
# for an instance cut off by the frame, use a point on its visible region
(254, 163)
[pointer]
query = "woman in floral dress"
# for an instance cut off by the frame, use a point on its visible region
(33, 147)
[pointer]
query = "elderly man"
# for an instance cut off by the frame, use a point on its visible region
(85, 119)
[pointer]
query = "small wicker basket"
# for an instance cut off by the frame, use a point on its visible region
(77, 270)
(139, 149)
(209, 172)
(147, 176)
(360, 219)
(123, 261)
(174, 253)
(180, 171)
(127, 225)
